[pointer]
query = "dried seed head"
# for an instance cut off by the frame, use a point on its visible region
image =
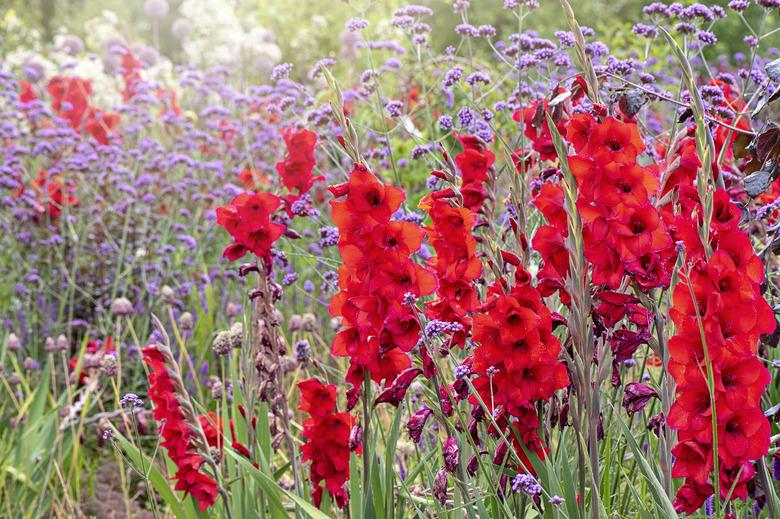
(275, 318)
(167, 295)
(186, 321)
(62, 343)
(309, 322)
(288, 364)
(121, 307)
(217, 389)
(296, 323)
(108, 366)
(236, 335)
(12, 343)
(335, 324)
(222, 344)
(233, 309)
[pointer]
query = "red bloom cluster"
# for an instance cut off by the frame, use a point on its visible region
(516, 361)
(327, 440)
(456, 265)
(377, 272)
(52, 195)
(71, 101)
(248, 220)
(176, 432)
(623, 231)
(722, 295)
(474, 163)
(299, 162)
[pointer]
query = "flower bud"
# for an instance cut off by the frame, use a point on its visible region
(62, 343)
(222, 344)
(167, 295)
(440, 486)
(186, 321)
(355, 437)
(296, 323)
(233, 309)
(217, 389)
(49, 345)
(12, 343)
(451, 454)
(309, 322)
(473, 466)
(121, 307)
(236, 335)
(108, 366)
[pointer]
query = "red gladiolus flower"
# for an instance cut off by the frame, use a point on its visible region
(248, 220)
(375, 277)
(70, 98)
(176, 432)
(327, 435)
(296, 168)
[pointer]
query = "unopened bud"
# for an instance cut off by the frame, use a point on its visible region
(186, 321)
(108, 366)
(440, 486)
(167, 295)
(309, 322)
(121, 307)
(296, 323)
(12, 343)
(62, 343)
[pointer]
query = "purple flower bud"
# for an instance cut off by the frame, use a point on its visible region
(451, 454)
(417, 422)
(440, 486)
(473, 465)
(355, 437)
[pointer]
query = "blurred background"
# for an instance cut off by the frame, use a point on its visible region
(212, 32)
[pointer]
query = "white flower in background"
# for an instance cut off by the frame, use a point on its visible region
(156, 8)
(103, 31)
(181, 28)
(216, 37)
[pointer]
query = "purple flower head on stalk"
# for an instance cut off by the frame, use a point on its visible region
(281, 71)
(131, 400)
(477, 77)
(739, 5)
(356, 24)
(526, 484)
(394, 108)
(467, 30)
(707, 37)
(445, 122)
